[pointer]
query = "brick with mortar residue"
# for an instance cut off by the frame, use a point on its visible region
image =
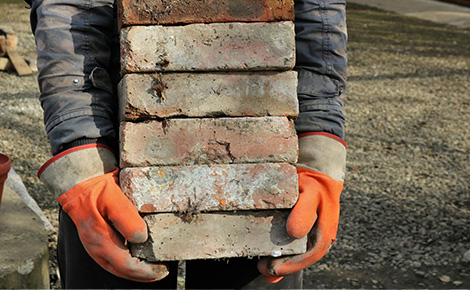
(211, 187)
(208, 47)
(165, 95)
(192, 141)
(217, 235)
(195, 11)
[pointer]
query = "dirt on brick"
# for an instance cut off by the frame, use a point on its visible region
(184, 12)
(406, 204)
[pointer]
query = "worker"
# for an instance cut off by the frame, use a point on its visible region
(78, 60)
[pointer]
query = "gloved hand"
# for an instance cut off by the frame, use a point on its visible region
(321, 166)
(86, 180)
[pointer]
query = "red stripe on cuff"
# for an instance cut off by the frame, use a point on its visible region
(68, 151)
(326, 135)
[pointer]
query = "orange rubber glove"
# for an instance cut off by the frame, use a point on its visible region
(316, 212)
(104, 216)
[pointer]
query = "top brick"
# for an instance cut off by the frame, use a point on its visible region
(196, 11)
(257, 46)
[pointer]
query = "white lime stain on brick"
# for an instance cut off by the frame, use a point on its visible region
(211, 187)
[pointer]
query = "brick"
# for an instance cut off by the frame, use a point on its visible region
(217, 235)
(164, 95)
(195, 11)
(208, 47)
(208, 140)
(211, 187)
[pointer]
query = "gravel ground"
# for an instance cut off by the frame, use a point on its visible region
(406, 204)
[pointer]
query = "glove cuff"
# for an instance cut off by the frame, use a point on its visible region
(323, 152)
(72, 166)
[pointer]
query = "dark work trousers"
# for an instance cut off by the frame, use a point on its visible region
(79, 271)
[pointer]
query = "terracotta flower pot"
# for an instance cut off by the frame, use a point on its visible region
(5, 165)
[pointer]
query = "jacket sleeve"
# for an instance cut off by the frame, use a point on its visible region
(321, 37)
(78, 63)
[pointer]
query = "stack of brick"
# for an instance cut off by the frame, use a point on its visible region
(207, 141)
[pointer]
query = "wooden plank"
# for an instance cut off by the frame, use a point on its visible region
(20, 65)
(12, 40)
(7, 38)
(5, 63)
(3, 45)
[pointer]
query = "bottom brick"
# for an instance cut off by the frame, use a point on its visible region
(217, 235)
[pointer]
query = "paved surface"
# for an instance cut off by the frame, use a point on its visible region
(23, 245)
(431, 10)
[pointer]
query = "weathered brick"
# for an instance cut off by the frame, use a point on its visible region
(217, 235)
(208, 47)
(211, 187)
(145, 96)
(148, 12)
(208, 140)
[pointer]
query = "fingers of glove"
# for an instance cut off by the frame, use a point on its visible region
(107, 249)
(93, 205)
(126, 219)
(292, 264)
(319, 243)
(263, 269)
(140, 271)
(273, 279)
(304, 214)
(121, 213)
(278, 267)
